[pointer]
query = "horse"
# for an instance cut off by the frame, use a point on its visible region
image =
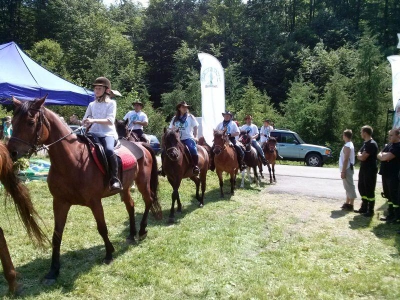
(269, 149)
(177, 164)
(225, 159)
(251, 159)
(27, 213)
(75, 179)
(124, 133)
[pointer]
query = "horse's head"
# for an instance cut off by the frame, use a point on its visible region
(220, 141)
(122, 128)
(270, 145)
(245, 138)
(31, 128)
(171, 143)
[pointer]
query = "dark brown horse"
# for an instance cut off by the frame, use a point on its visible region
(75, 179)
(251, 159)
(177, 164)
(225, 159)
(20, 194)
(269, 149)
(124, 133)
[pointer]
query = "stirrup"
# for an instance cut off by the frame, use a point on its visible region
(115, 184)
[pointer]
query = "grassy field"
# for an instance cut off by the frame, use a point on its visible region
(254, 245)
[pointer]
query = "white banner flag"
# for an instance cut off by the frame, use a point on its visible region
(212, 94)
(395, 63)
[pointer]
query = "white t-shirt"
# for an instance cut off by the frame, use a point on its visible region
(102, 110)
(352, 157)
(186, 128)
(136, 116)
(265, 130)
(231, 127)
(253, 129)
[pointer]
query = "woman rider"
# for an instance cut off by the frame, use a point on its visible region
(100, 114)
(187, 125)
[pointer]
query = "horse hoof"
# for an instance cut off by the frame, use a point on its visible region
(49, 281)
(171, 221)
(142, 236)
(201, 205)
(107, 261)
(130, 240)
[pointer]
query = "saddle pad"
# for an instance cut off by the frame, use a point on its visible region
(128, 160)
(96, 159)
(133, 148)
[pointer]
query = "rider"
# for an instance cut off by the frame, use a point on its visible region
(253, 132)
(232, 130)
(265, 134)
(187, 125)
(137, 119)
(100, 114)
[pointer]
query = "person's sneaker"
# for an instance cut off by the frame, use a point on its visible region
(349, 207)
(343, 206)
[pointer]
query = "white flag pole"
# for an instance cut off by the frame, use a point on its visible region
(212, 81)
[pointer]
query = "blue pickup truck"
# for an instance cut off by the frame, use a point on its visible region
(291, 147)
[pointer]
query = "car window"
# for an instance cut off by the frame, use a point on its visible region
(276, 135)
(288, 138)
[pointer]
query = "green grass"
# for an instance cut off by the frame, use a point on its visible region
(254, 245)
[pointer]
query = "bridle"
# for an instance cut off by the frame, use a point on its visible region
(221, 148)
(35, 146)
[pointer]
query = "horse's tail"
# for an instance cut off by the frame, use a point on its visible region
(20, 195)
(155, 206)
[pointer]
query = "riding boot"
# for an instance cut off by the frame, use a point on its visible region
(240, 158)
(115, 184)
(390, 218)
(370, 209)
(277, 155)
(212, 164)
(196, 170)
(261, 155)
(363, 208)
(161, 170)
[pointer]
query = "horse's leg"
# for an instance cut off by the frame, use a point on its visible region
(60, 210)
(270, 175)
(273, 170)
(196, 180)
(256, 179)
(260, 168)
(8, 268)
(221, 183)
(130, 208)
(98, 213)
(249, 175)
(243, 176)
(203, 182)
(233, 181)
(174, 197)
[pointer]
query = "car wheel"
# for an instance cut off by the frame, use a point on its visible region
(314, 160)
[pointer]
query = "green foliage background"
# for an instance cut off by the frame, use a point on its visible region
(316, 67)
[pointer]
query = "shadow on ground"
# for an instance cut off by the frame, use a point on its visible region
(73, 265)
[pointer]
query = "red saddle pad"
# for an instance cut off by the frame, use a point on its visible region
(128, 160)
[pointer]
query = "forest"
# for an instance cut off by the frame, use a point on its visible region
(316, 67)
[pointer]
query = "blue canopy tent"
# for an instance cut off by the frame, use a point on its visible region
(25, 79)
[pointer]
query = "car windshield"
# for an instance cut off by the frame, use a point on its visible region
(299, 138)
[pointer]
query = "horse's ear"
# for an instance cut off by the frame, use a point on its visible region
(165, 129)
(177, 130)
(16, 102)
(39, 103)
(126, 121)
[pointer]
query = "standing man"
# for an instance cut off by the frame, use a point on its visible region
(137, 119)
(368, 172)
(253, 132)
(346, 166)
(390, 168)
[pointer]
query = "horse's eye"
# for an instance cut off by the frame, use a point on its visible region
(31, 122)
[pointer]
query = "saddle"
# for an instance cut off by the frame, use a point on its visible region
(128, 153)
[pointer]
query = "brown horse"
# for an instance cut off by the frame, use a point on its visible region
(269, 149)
(124, 133)
(225, 159)
(20, 194)
(177, 164)
(75, 179)
(251, 159)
